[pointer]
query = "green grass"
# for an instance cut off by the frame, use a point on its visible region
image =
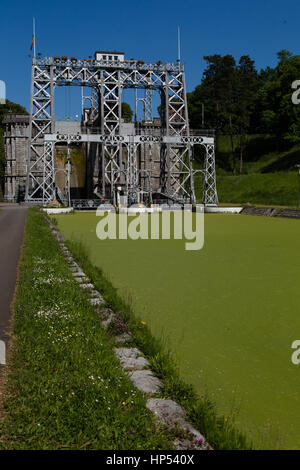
(267, 189)
(229, 312)
(257, 147)
(269, 176)
(280, 188)
(66, 388)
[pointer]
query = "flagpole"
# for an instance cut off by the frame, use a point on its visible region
(178, 44)
(33, 37)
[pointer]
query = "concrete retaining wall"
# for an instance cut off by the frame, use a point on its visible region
(272, 212)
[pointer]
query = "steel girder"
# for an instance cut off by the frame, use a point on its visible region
(48, 182)
(146, 101)
(109, 80)
(93, 100)
(177, 180)
(129, 148)
(41, 120)
(210, 196)
(109, 87)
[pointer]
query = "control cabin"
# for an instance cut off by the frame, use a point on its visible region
(107, 56)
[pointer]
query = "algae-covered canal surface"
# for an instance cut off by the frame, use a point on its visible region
(230, 311)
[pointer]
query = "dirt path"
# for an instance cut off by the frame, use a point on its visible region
(12, 223)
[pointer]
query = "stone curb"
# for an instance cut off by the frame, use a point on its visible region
(168, 412)
(131, 358)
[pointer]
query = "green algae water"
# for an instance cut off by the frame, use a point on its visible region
(229, 311)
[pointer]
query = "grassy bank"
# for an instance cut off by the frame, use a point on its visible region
(277, 189)
(268, 177)
(65, 387)
(280, 188)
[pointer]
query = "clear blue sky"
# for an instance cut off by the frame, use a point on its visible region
(143, 30)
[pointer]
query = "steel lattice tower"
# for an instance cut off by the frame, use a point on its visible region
(118, 152)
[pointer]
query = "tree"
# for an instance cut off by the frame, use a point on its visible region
(217, 94)
(278, 115)
(126, 112)
(10, 107)
(246, 88)
(238, 100)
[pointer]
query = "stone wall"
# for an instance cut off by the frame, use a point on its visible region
(16, 137)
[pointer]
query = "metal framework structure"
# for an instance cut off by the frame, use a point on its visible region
(147, 105)
(118, 162)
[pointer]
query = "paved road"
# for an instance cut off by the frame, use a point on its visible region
(12, 223)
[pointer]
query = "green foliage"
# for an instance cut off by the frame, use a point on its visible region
(10, 107)
(256, 148)
(227, 95)
(278, 112)
(239, 101)
(226, 91)
(268, 177)
(126, 112)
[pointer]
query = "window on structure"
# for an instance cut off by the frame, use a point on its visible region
(110, 57)
(104, 57)
(116, 57)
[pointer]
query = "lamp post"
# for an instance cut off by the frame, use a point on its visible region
(68, 175)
